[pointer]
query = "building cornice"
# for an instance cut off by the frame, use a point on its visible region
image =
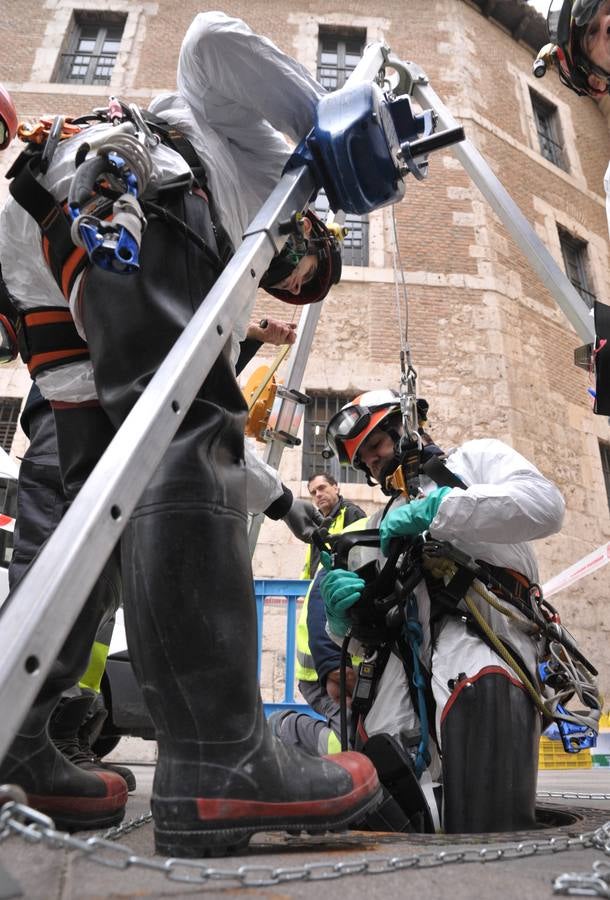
(517, 17)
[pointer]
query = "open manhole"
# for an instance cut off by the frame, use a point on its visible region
(553, 821)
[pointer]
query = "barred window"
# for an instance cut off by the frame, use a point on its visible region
(92, 48)
(356, 242)
(318, 414)
(604, 450)
(548, 127)
(576, 263)
(338, 54)
(9, 418)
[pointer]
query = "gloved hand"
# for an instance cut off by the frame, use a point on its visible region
(411, 519)
(340, 589)
(303, 518)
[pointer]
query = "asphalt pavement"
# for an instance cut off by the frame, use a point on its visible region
(375, 864)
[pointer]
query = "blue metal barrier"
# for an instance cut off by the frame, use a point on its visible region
(293, 590)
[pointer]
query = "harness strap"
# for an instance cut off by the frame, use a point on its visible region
(177, 141)
(44, 209)
(65, 260)
(512, 584)
(45, 329)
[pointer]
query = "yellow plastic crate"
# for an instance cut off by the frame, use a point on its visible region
(553, 756)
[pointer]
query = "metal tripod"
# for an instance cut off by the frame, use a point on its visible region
(38, 616)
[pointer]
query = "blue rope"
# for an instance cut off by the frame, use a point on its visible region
(415, 637)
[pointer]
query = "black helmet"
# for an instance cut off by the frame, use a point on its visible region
(324, 244)
(567, 21)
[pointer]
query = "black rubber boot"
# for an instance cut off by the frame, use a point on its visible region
(74, 798)
(190, 614)
(70, 731)
(490, 732)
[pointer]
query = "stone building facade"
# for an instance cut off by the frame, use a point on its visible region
(492, 350)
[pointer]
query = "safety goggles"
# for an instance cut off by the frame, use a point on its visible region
(346, 425)
(355, 420)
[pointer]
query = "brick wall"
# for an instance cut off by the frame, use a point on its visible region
(492, 349)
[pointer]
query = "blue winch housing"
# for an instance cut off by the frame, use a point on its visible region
(356, 147)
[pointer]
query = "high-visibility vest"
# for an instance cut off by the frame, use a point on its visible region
(305, 669)
(336, 527)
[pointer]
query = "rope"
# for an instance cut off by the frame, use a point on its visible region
(135, 154)
(408, 375)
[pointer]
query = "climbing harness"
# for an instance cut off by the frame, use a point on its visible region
(387, 608)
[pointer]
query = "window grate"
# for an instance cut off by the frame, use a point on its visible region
(318, 414)
(356, 242)
(92, 53)
(9, 419)
(548, 127)
(575, 260)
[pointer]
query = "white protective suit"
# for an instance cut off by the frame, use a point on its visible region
(507, 504)
(237, 95)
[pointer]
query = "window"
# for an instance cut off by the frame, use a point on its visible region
(318, 414)
(93, 47)
(338, 54)
(604, 450)
(548, 127)
(575, 261)
(356, 241)
(9, 417)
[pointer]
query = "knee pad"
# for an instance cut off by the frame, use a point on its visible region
(409, 810)
(490, 731)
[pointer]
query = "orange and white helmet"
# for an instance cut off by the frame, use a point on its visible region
(8, 118)
(349, 428)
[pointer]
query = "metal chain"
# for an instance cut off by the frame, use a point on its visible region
(589, 884)
(16, 818)
(119, 830)
(571, 795)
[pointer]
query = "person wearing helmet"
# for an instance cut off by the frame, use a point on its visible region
(473, 703)
(307, 267)
(579, 45)
(190, 615)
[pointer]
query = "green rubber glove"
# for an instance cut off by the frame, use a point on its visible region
(340, 589)
(411, 519)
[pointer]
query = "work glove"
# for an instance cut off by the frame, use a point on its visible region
(303, 519)
(340, 589)
(411, 519)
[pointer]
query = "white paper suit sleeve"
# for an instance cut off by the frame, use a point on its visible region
(508, 501)
(263, 484)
